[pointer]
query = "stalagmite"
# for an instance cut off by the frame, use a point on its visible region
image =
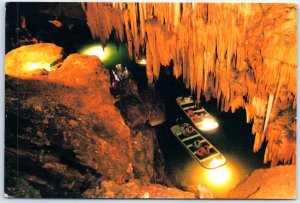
(249, 50)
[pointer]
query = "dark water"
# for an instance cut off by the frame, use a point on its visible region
(233, 138)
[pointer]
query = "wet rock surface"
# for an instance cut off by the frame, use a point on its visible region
(275, 183)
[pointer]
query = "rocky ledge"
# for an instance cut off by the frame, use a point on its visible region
(274, 183)
(65, 137)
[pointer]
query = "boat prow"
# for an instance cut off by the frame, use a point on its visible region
(198, 116)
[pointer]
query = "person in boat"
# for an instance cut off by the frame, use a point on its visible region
(201, 150)
(186, 98)
(190, 113)
(188, 130)
(199, 115)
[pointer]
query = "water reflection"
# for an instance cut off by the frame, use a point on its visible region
(219, 180)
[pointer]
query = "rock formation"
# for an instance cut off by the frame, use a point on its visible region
(242, 54)
(134, 189)
(64, 134)
(27, 61)
(275, 183)
(139, 110)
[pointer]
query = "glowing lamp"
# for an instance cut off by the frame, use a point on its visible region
(141, 61)
(33, 66)
(95, 50)
(219, 176)
(216, 162)
(207, 124)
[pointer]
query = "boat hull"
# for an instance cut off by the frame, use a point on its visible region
(198, 147)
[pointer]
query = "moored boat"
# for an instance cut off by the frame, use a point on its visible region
(198, 147)
(197, 115)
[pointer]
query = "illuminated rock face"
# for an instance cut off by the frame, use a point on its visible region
(71, 109)
(26, 61)
(71, 138)
(91, 98)
(242, 54)
(136, 189)
(274, 183)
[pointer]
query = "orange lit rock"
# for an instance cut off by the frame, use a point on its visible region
(27, 61)
(275, 183)
(135, 189)
(242, 54)
(81, 117)
(90, 96)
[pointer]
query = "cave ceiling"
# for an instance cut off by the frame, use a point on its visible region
(242, 54)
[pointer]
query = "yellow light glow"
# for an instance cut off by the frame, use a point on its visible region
(193, 173)
(33, 66)
(219, 176)
(216, 162)
(96, 50)
(141, 61)
(207, 124)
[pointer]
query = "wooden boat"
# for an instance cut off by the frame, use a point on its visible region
(198, 116)
(198, 147)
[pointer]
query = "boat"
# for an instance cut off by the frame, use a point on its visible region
(197, 115)
(197, 146)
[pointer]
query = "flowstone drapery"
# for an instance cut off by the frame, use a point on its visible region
(242, 54)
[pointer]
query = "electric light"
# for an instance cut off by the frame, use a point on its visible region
(33, 66)
(219, 176)
(96, 50)
(207, 124)
(141, 61)
(216, 162)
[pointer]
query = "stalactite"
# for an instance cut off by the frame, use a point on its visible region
(269, 108)
(176, 14)
(248, 49)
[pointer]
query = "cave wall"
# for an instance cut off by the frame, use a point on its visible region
(242, 54)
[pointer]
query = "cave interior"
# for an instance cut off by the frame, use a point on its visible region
(76, 128)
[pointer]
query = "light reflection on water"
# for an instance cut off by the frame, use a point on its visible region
(233, 139)
(219, 180)
(110, 55)
(186, 171)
